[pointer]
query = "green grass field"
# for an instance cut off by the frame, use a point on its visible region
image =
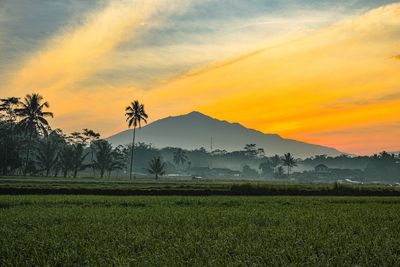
(99, 222)
(173, 186)
(197, 231)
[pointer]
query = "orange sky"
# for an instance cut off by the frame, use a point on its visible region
(338, 85)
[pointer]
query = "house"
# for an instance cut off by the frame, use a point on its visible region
(321, 169)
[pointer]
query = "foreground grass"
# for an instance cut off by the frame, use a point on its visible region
(88, 186)
(198, 231)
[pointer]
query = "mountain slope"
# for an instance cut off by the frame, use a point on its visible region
(194, 130)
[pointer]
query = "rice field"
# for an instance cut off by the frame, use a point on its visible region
(79, 230)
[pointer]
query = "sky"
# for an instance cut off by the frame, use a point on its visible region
(324, 72)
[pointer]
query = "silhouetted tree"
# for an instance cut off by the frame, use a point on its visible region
(91, 136)
(47, 154)
(33, 120)
(79, 158)
(117, 160)
(156, 167)
(10, 141)
(135, 114)
(289, 161)
(250, 150)
(179, 156)
(103, 156)
(248, 172)
(266, 168)
(279, 172)
(383, 166)
(66, 159)
(276, 161)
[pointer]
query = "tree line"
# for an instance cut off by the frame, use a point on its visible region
(29, 146)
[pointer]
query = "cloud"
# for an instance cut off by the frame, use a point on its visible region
(76, 54)
(364, 100)
(290, 73)
(286, 88)
(79, 52)
(202, 41)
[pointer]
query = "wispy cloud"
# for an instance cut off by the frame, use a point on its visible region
(366, 99)
(285, 87)
(78, 53)
(294, 69)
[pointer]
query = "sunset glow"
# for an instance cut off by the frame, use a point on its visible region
(333, 80)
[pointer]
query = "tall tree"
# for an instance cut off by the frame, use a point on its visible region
(135, 114)
(156, 167)
(33, 119)
(107, 158)
(179, 156)
(279, 172)
(117, 160)
(289, 161)
(276, 161)
(266, 168)
(47, 154)
(103, 156)
(91, 136)
(66, 159)
(10, 148)
(9, 145)
(250, 150)
(79, 156)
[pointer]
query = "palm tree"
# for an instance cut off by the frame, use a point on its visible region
(79, 156)
(103, 151)
(289, 162)
(91, 136)
(179, 156)
(117, 162)
(156, 167)
(66, 159)
(135, 115)
(33, 119)
(46, 154)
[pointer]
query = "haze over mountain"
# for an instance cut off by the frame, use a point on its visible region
(195, 130)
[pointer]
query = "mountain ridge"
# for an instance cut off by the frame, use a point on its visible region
(195, 129)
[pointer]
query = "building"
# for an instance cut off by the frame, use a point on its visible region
(321, 169)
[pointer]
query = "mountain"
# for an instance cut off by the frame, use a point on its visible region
(195, 130)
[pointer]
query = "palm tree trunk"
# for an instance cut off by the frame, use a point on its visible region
(133, 147)
(27, 154)
(92, 157)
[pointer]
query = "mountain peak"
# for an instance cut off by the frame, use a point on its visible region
(195, 114)
(195, 129)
